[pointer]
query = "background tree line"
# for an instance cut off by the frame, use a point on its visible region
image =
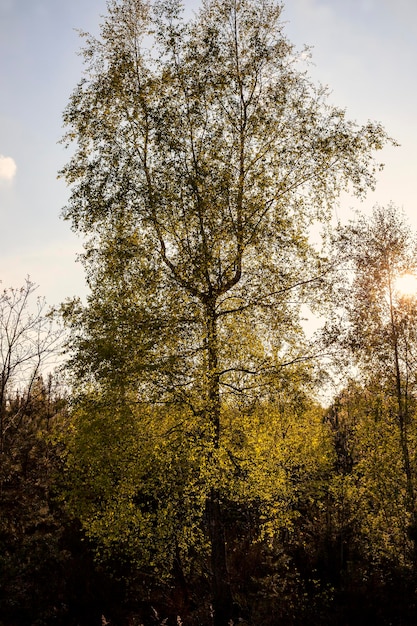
(187, 471)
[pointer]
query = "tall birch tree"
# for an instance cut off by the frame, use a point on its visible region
(202, 154)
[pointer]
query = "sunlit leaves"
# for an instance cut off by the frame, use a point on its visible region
(202, 156)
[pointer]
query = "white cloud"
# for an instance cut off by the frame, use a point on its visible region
(7, 168)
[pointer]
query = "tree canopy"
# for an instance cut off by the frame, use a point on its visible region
(202, 154)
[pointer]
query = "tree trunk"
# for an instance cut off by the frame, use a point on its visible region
(222, 597)
(181, 599)
(402, 425)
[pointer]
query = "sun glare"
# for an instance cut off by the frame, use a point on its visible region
(406, 285)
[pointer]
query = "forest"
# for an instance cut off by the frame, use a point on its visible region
(181, 449)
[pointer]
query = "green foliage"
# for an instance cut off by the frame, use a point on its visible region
(202, 155)
(137, 481)
(378, 250)
(380, 335)
(31, 525)
(371, 490)
(139, 476)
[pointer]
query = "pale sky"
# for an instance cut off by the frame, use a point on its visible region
(364, 50)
